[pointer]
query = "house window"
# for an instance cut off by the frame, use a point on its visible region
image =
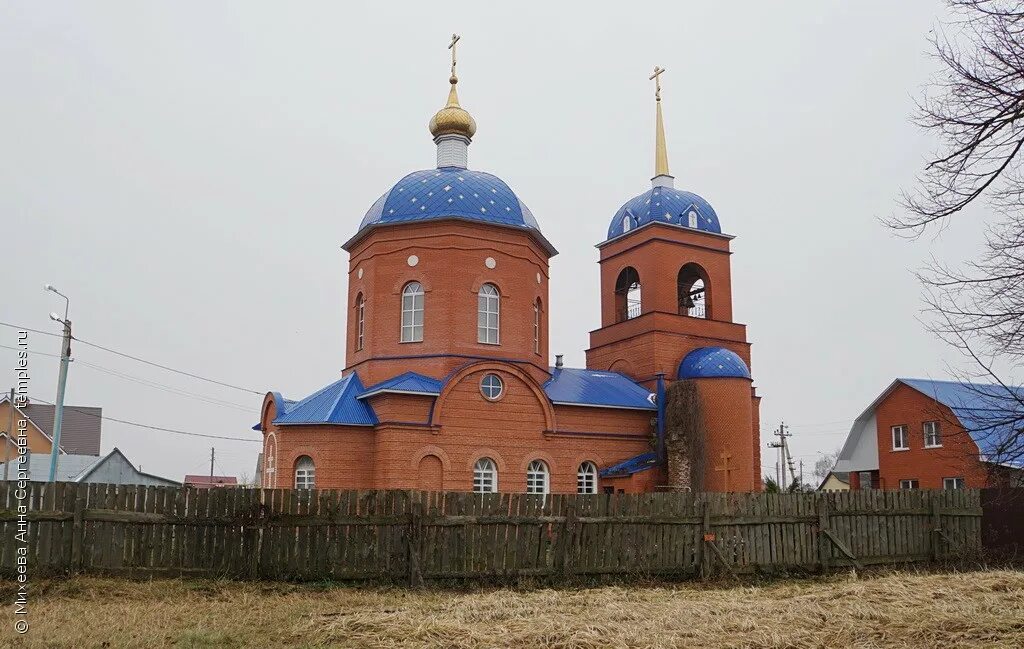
(485, 476)
(491, 386)
(911, 483)
(360, 314)
(953, 483)
(537, 478)
(488, 307)
(900, 440)
(412, 313)
(932, 434)
(536, 327)
(586, 478)
(305, 473)
(864, 478)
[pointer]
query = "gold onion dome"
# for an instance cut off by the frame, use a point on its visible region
(453, 119)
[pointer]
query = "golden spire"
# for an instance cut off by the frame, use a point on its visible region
(453, 118)
(660, 150)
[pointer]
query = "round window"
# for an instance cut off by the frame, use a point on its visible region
(491, 386)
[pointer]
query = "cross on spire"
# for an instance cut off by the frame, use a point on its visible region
(656, 77)
(451, 46)
(662, 177)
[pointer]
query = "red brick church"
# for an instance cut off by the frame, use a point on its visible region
(447, 383)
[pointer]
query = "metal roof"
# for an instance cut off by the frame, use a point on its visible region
(335, 404)
(991, 414)
(712, 362)
(406, 383)
(641, 462)
(665, 205)
(80, 430)
(281, 406)
(582, 387)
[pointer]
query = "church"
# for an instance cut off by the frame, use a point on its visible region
(447, 383)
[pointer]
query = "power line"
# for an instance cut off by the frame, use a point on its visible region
(35, 331)
(157, 428)
(140, 360)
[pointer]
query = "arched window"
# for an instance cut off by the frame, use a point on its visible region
(627, 224)
(536, 326)
(692, 292)
(305, 473)
(412, 313)
(485, 476)
(537, 478)
(360, 320)
(627, 294)
(488, 311)
(586, 478)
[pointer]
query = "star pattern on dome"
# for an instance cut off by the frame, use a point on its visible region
(665, 205)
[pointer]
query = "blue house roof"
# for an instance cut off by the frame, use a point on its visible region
(991, 414)
(664, 205)
(452, 192)
(337, 403)
(641, 462)
(582, 387)
(712, 362)
(407, 383)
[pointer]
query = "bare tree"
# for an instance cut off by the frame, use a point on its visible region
(976, 108)
(824, 464)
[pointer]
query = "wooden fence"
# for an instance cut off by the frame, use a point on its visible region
(412, 536)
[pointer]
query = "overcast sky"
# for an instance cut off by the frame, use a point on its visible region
(186, 172)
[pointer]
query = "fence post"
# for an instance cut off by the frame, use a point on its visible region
(78, 528)
(823, 544)
(935, 538)
(705, 530)
(415, 539)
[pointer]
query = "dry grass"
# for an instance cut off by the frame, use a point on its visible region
(974, 609)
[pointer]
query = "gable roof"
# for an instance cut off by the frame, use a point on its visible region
(209, 481)
(597, 389)
(335, 404)
(405, 383)
(80, 430)
(76, 467)
(641, 462)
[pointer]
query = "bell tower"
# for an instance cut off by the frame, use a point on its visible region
(666, 309)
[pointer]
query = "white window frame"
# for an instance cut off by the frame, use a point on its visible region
(910, 483)
(936, 434)
(536, 326)
(485, 476)
(902, 428)
(956, 482)
(360, 320)
(486, 387)
(586, 478)
(538, 478)
(413, 303)
(627, 224)
(488, 315)
(305, 473)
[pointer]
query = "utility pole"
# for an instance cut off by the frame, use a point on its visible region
(801, 473)
(212, 451)
(10, 433)
(62, 380)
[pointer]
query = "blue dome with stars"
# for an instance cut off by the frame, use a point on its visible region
(450, 192)
(665, 205)
(712, 362)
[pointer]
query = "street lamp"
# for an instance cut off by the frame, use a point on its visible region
(62, 379)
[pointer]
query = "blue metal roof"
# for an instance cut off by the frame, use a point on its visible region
(337, 403)
(712, 362)
(641, 462)
(407, 383)
(991, 414)
(665, 205)
(582, 387)
(281, 406)
(452, 192)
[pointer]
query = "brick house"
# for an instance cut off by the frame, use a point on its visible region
(923, 434)
(447, 383)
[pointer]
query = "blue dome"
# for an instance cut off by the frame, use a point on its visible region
(665, 205)
(712, 362)
(450, 192)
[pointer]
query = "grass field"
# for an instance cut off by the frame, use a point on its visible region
(972, 609)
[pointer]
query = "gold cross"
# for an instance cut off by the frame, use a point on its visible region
(725, 468)
(657, 82)
(451, 46)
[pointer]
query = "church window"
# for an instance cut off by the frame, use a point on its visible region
(491, 386)
(692, 218)
(485, 476)
(536, 326)
(412, 313)
(360, 320)
(692, 292)
(586, 478)
(627, 224)
(305, 473)
(488, 312)
(537, 478)
(627, 294)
